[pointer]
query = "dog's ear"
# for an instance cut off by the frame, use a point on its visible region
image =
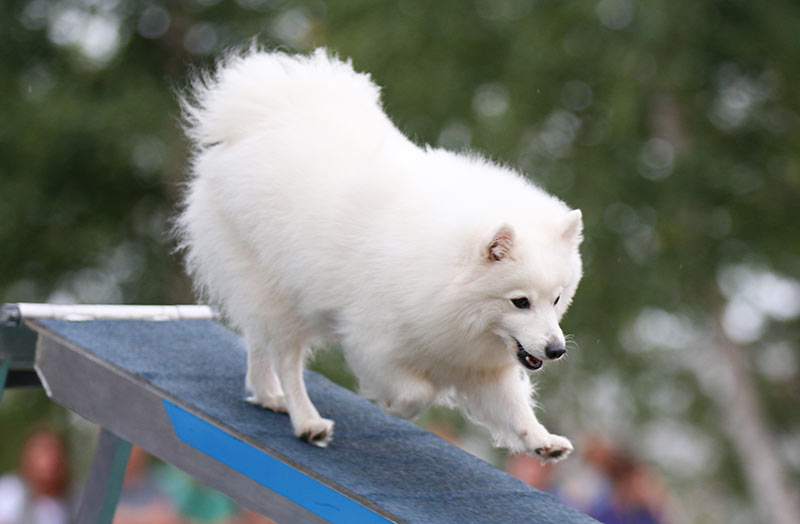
(573, 226)
(500, 245)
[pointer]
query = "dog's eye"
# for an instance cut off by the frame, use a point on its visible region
(521, 302)
(557, 299)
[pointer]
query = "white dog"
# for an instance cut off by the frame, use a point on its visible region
(309, 217)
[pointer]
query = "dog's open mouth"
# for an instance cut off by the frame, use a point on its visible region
(526, 359)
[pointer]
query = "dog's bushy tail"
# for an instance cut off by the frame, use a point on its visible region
(255, 90)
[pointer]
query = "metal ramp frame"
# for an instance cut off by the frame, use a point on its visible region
(170, 380)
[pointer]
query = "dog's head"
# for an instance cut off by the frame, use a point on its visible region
(530, 277)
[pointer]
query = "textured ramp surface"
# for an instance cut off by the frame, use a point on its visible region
(409, 472)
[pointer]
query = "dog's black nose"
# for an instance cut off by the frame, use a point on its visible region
(554, 350)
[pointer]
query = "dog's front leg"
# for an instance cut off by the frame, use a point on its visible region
(503, 403)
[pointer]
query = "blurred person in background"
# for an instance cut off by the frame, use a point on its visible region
(142, 501)
(614, 487)
(608, 484)
(531, 471)
(579, 483)
(38, 494)
(588, 484)
(636, 497)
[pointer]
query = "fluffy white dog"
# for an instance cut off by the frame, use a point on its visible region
(309, 218)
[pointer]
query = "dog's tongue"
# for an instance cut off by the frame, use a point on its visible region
(528, 360)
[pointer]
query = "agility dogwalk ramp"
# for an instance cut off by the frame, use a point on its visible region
(170, 380)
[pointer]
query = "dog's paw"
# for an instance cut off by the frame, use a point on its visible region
(275, 402)
(552, 448)
(318, 431)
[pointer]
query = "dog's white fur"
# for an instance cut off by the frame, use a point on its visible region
(310, 217)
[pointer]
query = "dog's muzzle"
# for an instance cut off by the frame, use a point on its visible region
(526, 359)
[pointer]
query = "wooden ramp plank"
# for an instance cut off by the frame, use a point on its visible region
(175, 388)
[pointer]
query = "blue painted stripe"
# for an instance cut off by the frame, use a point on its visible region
(267, 470)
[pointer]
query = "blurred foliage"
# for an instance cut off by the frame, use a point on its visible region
(674, 126)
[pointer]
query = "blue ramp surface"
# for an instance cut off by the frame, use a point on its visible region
(377, 469)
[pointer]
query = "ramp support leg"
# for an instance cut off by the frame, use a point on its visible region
(4, 365)
(103, 486)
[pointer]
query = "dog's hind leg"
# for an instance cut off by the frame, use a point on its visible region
(263, 387)
(307, 423)
(407, 395)
(399, 390)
